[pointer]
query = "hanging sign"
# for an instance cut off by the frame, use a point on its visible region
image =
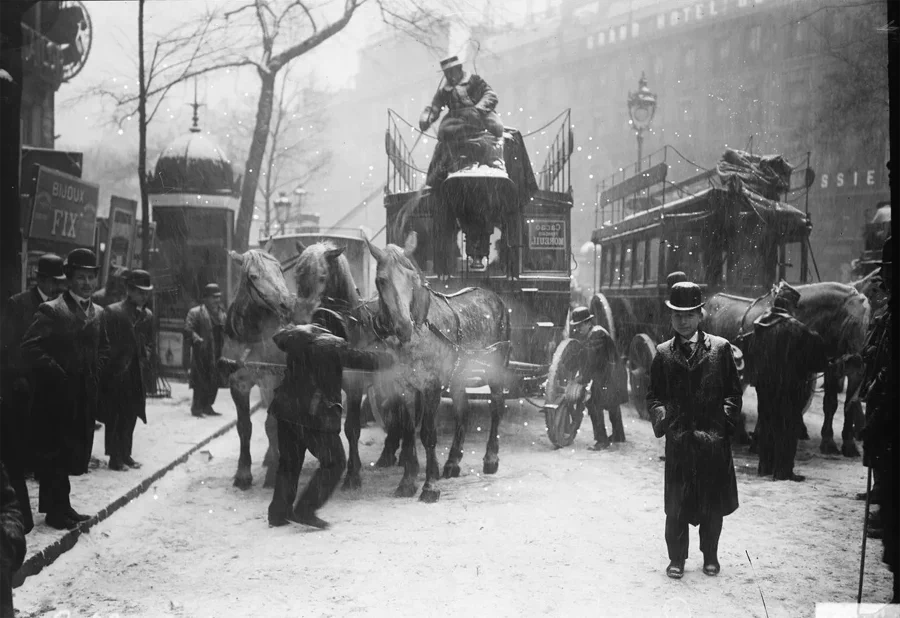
(120, 241)
(63, 208)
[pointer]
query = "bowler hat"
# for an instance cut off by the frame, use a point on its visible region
(788, 293)
(51, 265)
(886, 252)
(139, 279)
(332, 321)
(580, 315)
(212, 289)
(449, 63)
(81, 259)
(684, 296)
(675, 277)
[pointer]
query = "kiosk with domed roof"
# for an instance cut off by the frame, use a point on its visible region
(194, 197)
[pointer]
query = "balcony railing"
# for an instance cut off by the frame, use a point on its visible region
(41, 57)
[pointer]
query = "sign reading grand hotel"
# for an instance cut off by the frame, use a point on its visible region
(547, 234)
(64, 208)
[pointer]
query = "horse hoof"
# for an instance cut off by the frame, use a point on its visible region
(406, 490)
(451, 471)
(243, 481)
(848, 449)
(490, 467)
(352, 482)
(430, 495)
(386, 461)
(828, 447)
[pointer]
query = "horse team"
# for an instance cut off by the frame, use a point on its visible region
(439, 342)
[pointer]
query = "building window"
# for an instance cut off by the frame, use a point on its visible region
(601, 39)
(690, 58)
(724, 50)
(755, 42)
(623, 32)
(660, 22)
(635, 28)
(612, 36)
(590, 42)
(658, 65)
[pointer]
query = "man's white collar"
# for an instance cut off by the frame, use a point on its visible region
(77, 298)
(44, 297)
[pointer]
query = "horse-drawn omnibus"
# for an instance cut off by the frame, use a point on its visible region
(725, 231)
(285, 249)
(507, 233)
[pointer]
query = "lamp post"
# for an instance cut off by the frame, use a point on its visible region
(641, 107)
(282, 210)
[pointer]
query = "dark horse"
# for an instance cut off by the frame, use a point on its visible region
(443, 340)
(840, 314)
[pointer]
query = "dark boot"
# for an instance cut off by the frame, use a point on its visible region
(675, 570)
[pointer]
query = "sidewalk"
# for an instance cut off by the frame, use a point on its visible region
(169, 437)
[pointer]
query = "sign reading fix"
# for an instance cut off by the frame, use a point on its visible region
(546, 234)
(64, 208)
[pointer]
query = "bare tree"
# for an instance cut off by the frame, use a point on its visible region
(852, 95)
(176, 57)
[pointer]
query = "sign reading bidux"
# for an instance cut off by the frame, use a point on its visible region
(64, 208)
(546, 234)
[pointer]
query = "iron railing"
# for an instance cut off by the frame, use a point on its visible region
(402, 174)
(556, 174)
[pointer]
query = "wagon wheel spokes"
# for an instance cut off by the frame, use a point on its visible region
(558, 414)
(640, 354)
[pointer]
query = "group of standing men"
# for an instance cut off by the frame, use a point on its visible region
(66, 363)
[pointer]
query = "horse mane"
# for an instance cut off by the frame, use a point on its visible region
(397, 254)
(339, 284)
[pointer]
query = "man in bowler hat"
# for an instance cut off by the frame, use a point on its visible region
(16, 449)
(308, 408)
(784, 352)
(694, 401)
(597, 365)
(66, 348)
(203, 330)
(128, 325)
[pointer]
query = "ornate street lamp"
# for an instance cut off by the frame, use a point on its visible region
(282, 210)
(641, 107)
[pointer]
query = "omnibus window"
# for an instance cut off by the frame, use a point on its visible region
(639, 256)
(627, 257)
(613, 264)
(691, 259)
(653, 257)
(604, 257)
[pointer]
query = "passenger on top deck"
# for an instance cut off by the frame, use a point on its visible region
(471, 132)
(470, 102)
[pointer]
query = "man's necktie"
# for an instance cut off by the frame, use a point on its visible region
(85, 305)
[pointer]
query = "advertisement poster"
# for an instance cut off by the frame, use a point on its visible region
(120, 242)
(63, 209)
(547, 234)
(171, 350)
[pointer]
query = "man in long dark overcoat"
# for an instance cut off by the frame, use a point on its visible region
(17, 450)
(12, 542)
(785, 353)
(204, 332)
(129, 327)
(694, 401)
(597, 365)
(308, 408)
(880, 434)
(66, 348)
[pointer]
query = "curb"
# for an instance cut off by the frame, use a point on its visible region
(36, 563)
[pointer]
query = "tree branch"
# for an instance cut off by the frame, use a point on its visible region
(316, 39)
